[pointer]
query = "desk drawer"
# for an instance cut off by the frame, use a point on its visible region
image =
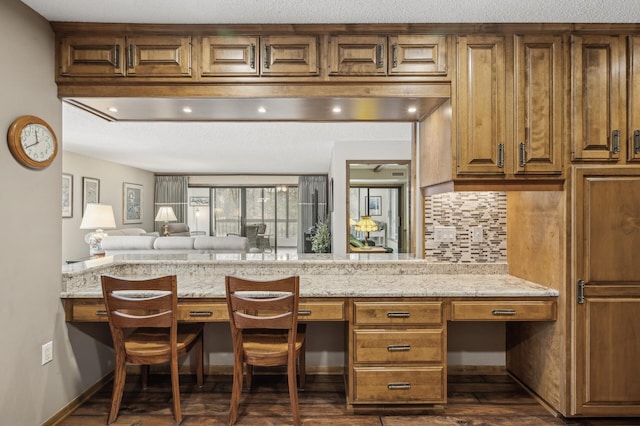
(399, 385)
(398, 346)
(203, 312)
(88, 311)
(321, 311)
(397, 313)
(509, 310)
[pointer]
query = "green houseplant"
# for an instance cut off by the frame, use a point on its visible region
(321, 240)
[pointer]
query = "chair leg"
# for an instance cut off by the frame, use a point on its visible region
(175, 388)
(248, 378)
(119, 379)
(236, 390)
(200, 361)
(144, 373)
(293, 389)
(302, 369)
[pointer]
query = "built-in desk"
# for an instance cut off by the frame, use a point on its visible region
(395, 308)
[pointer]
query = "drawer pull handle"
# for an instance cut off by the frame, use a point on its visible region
(399, 386)
(398, 314)
(398, 348)
(304, 312)
(200, 313)
(101, 312)
(503, 312)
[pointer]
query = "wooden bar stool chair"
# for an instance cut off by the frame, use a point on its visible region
(264, 328)
(147, 310)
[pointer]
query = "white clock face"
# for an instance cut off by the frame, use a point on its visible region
(37, 142)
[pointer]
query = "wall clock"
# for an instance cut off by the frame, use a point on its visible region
(32, 142)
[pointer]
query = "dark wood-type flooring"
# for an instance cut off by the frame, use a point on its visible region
(473, 400)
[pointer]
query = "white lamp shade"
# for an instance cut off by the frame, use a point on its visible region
(98, 216)
(165, 214)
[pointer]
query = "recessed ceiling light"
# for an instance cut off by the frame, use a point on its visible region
(337, 109)
(186, 110)
(412, 109)
(112, 109)
(262, 110)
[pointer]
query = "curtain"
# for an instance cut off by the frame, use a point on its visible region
(172, 191)
(312, 194)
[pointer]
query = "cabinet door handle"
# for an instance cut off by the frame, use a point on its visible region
(116, 52)
(500, 155)
(580, 292)
(394, 55)
(130, 56)
(101, 312)
(503, 312)
(380, 54)
(399, 386)
(398, 314)
(304, 312)
(523, 155)
(398, 348)
(267, 56)
(252, 56)
(636, 141)
(200, 313)
(615, 141)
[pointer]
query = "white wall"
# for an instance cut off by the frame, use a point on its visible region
(31, 313)
(112, 177)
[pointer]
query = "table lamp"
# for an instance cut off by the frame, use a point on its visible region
(165, 214)
(98, 217)
(366, 225)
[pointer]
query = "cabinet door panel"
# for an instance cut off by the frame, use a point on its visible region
(223, 55)
(159, 56)
(96, 56)
(633, 133)
(597, 101)
(418, 54)
(539, 104)
(290, 55)
(481, 105)
(357, 55)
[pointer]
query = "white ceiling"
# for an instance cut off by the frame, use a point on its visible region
(276, 147)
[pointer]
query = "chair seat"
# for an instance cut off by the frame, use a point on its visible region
(268, 343)
(155, 342)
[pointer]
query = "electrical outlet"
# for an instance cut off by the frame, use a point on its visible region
(444, 234)
(476, 234)
(47, 352)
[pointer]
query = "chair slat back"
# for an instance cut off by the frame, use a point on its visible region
(140, 303)
(263, 304)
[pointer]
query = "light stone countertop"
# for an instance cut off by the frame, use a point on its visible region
(202, 275)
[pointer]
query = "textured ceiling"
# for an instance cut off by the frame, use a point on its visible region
(278, 148)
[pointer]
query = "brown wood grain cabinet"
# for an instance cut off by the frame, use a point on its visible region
(502, 131)
(633, 128)
(606, 297)
(150, 56)
(418, 54)
(357, 55)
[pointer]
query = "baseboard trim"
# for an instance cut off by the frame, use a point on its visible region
(65, 411)
(472, 370)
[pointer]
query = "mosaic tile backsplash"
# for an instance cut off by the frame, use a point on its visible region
(465, 210)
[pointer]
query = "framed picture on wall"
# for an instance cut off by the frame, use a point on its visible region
(375, 206)
(90, 191)
(67, 195)
(132, 198)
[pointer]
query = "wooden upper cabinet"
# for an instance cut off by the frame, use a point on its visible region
(289, 55)
(116, 56)
(633, 132)
(159, 56)
(418, 55)
(597, 104)
(229, 56)
(358, 55)
(481, 105)
(91, 56)
(539, 104)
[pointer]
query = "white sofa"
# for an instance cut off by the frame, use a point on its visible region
(152, 244)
